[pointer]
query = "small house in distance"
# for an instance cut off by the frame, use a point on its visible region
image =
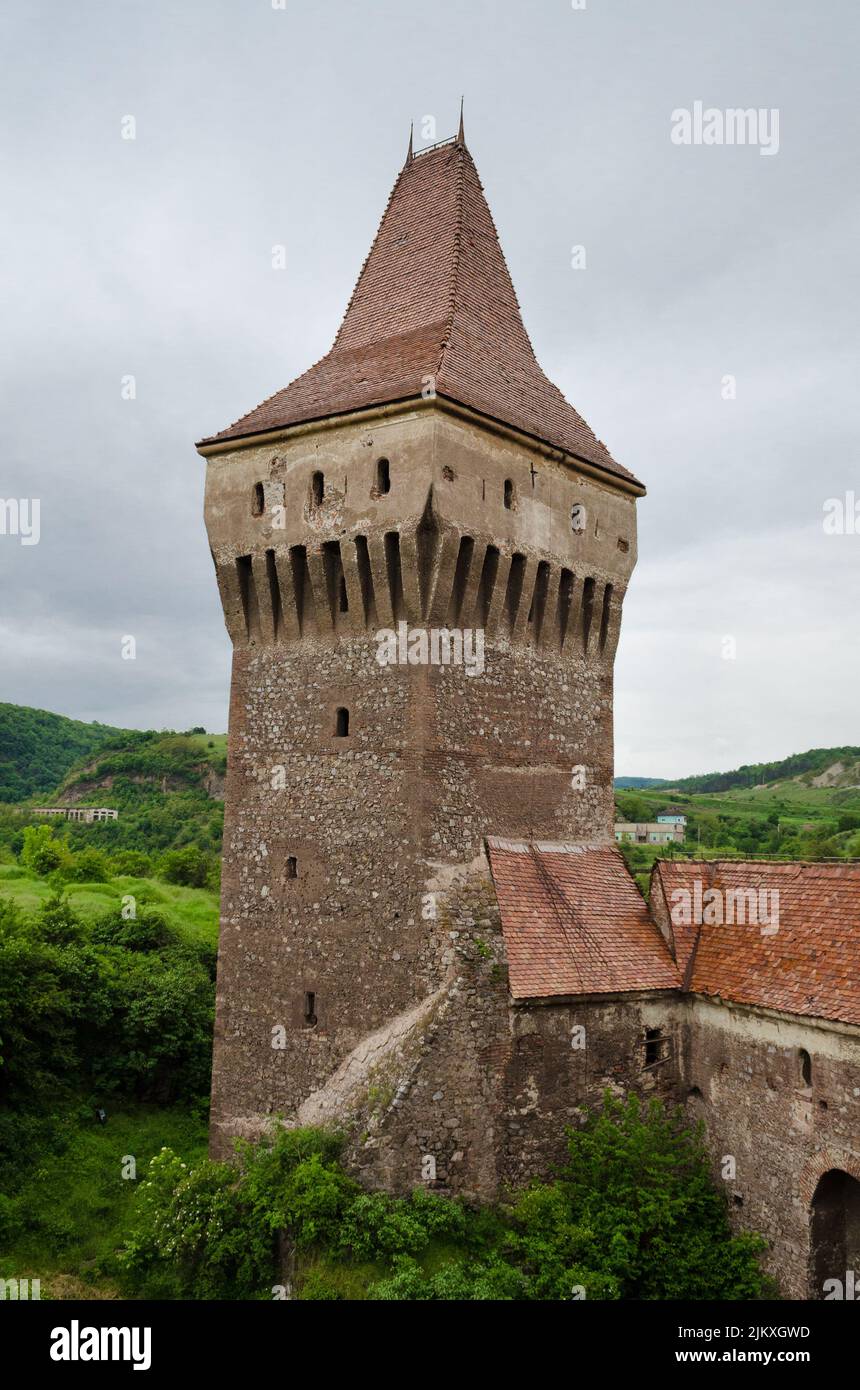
(653, 832)
(88, 814)
(672, 815)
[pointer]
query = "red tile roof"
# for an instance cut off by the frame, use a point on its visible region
(574, 922)
(810, 965)
(434, 299)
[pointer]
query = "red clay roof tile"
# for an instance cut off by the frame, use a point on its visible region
(575, 923)
(434, 300)
(809, 965)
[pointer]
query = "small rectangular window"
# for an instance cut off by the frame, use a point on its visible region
(292, 867)
(657, 1047)
(341, 723)
(310, 1009)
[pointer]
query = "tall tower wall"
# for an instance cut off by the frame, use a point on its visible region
(339, 840)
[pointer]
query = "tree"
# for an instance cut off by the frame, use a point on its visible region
(41, 853)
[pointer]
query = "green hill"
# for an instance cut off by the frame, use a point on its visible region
(167, 787)
(824, 767)
(38, 748)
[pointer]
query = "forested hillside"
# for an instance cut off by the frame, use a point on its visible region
(37, 748)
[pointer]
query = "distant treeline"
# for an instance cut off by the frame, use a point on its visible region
(753, 774)
(749, 775)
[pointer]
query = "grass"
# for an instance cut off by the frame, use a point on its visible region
(192, 911)
(76, 1205)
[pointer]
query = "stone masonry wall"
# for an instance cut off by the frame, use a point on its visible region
(742, 1075)
(316, 550)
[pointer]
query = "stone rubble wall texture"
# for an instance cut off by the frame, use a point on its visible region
(742, 1077)
(435, 757)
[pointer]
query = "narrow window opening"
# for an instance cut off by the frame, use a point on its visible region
(292, 867)
(605, 615)
(383, 476)
(317, 489)
(310, 1009)
(335, 581)
(341, 723)
(538, 603)
(587, 610)
(395, 578)
(652, 1046)
(258, 501)
(248, 594)
(487, 584)
(274, 593)
(509, 493)
(516, 574)
(299, 567)
(805, 1067)
(365, 578)
(461, 575)
(565, 603)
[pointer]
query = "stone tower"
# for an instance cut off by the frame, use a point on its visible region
(423, 480)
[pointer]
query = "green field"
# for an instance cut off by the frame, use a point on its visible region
(192, 911)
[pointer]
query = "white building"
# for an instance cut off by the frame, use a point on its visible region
(656, 832)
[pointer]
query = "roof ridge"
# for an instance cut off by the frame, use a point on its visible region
(455, 260)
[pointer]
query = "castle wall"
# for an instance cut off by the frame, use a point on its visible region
(484, 1088)
(742, 1075)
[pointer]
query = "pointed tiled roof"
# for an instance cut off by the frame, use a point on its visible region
(434, 300)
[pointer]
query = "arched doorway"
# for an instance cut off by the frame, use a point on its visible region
(834, 1230)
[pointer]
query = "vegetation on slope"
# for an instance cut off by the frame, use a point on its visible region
(633, 1214)
(805, 766)
(37, 748)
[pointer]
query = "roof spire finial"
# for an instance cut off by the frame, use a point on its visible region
(409, 151)
(461, 138)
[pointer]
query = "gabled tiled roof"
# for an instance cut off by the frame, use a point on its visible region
(434, 300)
(810, 965)
(574, 922)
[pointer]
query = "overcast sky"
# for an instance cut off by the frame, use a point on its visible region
(258, 126)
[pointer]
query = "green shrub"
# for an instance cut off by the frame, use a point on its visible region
(88, 865)
(632, 1215)
(189, 867)
(42, 853)
(131, 863)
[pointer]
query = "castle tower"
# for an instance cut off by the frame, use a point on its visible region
(423, 480)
